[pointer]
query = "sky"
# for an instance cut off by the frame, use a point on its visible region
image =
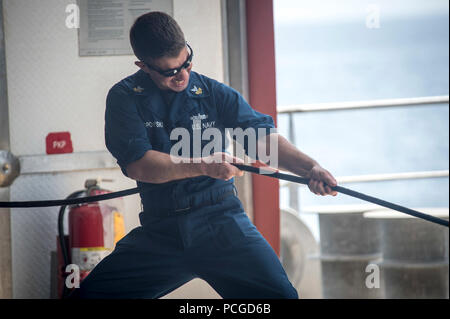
(331, 11)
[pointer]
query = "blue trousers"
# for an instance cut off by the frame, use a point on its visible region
(217, 243)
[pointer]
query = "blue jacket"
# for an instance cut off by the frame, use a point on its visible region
(138, 119)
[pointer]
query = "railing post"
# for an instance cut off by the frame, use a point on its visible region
(293, 188)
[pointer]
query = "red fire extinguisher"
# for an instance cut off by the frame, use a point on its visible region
(94, 229)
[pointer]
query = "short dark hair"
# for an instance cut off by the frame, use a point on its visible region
(156, 34)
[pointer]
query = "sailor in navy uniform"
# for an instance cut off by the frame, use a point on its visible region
(192, 225)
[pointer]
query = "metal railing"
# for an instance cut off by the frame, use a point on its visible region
(316, 107)
(339, 106)
(384, 177)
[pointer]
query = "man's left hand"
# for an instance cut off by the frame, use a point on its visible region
(320, 181)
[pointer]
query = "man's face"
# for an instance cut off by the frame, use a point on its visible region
(178, 82)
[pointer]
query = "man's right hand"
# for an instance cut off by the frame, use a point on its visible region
(218, 166)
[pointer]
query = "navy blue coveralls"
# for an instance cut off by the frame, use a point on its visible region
(191, 228)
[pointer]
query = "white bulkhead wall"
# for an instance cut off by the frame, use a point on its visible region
(52, 89)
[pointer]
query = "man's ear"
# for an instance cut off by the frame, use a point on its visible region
(140, 65)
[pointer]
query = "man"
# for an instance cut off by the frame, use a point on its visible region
(193, 224)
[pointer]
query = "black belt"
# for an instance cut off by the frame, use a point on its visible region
(187, 204)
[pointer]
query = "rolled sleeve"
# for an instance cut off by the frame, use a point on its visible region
(125, 133)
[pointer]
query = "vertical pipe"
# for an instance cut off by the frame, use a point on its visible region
(235, 67)
(262, 96)
(5, 218)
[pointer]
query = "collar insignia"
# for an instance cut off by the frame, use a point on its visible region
(197, 90)
(138, 89)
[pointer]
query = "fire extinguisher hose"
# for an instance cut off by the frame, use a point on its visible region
(61, 237)
(62, 241)
(251, 169)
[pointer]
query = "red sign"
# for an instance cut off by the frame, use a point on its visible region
(59, 143)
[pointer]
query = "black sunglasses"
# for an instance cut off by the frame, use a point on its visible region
(173, 72)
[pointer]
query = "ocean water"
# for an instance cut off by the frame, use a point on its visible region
(344, 60)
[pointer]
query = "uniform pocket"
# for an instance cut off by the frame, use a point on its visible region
(245, 225)
(231, 228)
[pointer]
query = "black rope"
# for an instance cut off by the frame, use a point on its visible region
(72, 201)
(343, 190)
(251, 169)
